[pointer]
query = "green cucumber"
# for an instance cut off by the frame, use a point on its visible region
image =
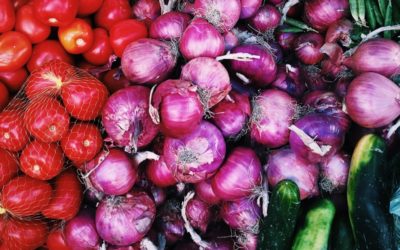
(277, 228)
(341, 235)
(367, 191)
(314, 234)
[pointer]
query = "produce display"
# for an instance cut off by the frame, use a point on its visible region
(199, 124)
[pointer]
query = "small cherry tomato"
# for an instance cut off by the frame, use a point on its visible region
(111, 12)
(42, 161)
(24, 234)
(27, 23)
(8, 167)
(14, 79)
(101, 49)
(4, 96)
(13, 134)
(76, 37)
(56, 240)
(87, 7)
(7, 16)
(15, 50)
(125, 32)
(47, 51)
(55, 12)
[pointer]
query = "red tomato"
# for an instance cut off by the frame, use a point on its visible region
(42, 161)
(24, 235)
(46, 119)
(7, 15)
(67, 197)
(14, 79)
(13, 135)
(56, 241)
(84, 98)
(47, 51)
(125, 32)
(19, 3)
(114, 79)
(8, 167)
(25, 196)
(15, 50)
(82, 143)
(101, 49)
(4, 96)
(76, 37)
(27, 23)
(87, 7)
(55, 12)
(111, 12)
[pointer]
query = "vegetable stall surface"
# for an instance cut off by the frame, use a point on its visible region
(199, 124)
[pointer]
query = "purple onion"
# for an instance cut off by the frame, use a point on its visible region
(249, 8)
(247, 241)
(341, 86)
(334, 173)
(124, 220)
(205, 192)
(231, 115)
(199, 214)
(201, 39)
(210, 76)
(272, 114)
(170, 222)
(314, 79)
(243, 214)
(289, 80)
(231, 40)
(266, 19)
(159, 174)
(286, 40)
(126, 119)
(197, 156)
(322, 13)
(307, 47)
(169, 26)
(339, 31)
(146, 9)
(320, 99)
(260, 71)
(285, 164)
(159, 195)
(148, 61)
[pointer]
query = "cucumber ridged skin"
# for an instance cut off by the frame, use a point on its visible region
(370, 220)
(278, 227)
(341, 234)
(314, 235)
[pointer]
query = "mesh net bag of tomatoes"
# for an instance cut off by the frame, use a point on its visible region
(48, 133)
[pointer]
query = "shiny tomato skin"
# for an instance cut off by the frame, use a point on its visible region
(55, 12)
(46, 119)
(42, 161)
(111, 12)
(84, 98)
(14, 79)
(87, 7)
(115, 80)
(67, 197)
(19, 3)
(82, 143)
(28, 24)
(8, 167)
(25, 196)
(47, 51)
(15, 50)
(56, 240)
(7, 15)
(101, 49)
(13, 134)
(24, 234)
(125, 32)
(4, 96)
(76, 37)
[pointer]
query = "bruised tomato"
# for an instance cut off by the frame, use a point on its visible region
(111, 12)
(76, 37)
(101, 49)
(55, 12)
(46, 119)
(56, 240)
(42, 161)
(67, 197)
(15, 50)
(87, 7)
(13, 135)
(24, 234)
(25, 196)
(8, 167)
(14, 79)
(27, 23)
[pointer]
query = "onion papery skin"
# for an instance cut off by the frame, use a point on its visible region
(372, 100)
(231, 40)
(159, 174)
(146, 9)
(243, 214)
(285, 164)
(179, 106)
(80, 232)
(231, 116)
(314, 78)
(169, 221)
(267, 18)
(307, 48)
(260, 71)
(248, 241)
(148, 61)
(326, 130)
(112, 172)
(322, 13)
(199, 214)
(286, 40)
(201, 39)
(339, 32)
(288, 79)
(273, 112)
(205, 192)
(197, 156)
(169, 26)
(239, 176)
(376, 55)
(249, 8)
(126, 119)
(334, 173)
(223, 14)
(211, 78)
(124, 220)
